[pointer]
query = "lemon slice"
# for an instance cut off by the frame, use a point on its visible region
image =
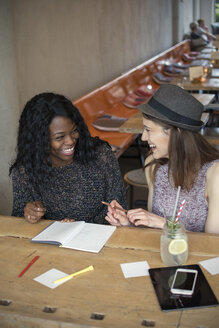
(177, 246)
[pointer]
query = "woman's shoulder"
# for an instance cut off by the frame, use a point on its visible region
(18, 171)
(213, 170)
(105, 157)
(19, 175)
(148, 159)
(212, 180)
(102, 147)
(149, 168)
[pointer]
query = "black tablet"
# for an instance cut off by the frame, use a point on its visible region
(162, 279)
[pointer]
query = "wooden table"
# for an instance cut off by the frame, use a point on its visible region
(211, 84)
(103, 293)
(204, 98)
(214, 73)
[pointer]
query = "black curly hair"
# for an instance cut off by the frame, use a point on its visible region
(33, 142)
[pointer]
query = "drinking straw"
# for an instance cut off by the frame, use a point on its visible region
(180, 210)
(177, 198)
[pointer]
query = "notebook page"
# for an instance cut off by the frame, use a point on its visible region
(91, 238)
(58, 232)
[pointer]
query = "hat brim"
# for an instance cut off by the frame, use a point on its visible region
(148, 110)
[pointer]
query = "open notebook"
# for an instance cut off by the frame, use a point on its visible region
(88, 237)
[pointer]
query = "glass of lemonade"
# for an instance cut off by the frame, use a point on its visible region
(174, 244)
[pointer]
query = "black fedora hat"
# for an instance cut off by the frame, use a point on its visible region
(175, 106)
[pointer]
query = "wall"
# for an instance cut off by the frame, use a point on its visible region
(188, 14)
(207, 11)
(73, 46)
(8, 104)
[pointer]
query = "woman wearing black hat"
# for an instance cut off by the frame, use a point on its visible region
(180, 156)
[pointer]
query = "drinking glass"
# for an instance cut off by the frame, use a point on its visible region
(173, 244)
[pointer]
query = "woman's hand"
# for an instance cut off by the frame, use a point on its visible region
(140, 216)
(115, 216)
(67, 220)
(34, 211)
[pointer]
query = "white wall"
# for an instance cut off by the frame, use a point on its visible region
(188, 14)
(207, 12)
(9, 111)
(73, 46)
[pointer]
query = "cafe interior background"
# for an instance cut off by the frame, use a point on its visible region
(74, 46)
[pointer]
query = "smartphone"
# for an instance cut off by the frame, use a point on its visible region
(184, 282)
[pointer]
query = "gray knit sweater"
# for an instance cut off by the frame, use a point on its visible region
(75, 190)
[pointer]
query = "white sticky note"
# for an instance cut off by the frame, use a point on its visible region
(211, 265)
(50, 276)
(135, 269)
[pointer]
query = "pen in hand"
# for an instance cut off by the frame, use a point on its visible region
(116, 207)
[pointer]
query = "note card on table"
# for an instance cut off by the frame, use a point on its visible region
(211, 265)
(135, 269)
(47, 279)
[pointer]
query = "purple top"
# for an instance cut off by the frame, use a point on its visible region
(195, 210)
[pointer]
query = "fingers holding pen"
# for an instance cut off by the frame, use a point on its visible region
(117, 215)
(68, 220)
(112, 220)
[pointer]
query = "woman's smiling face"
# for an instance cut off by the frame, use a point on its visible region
(63, 138)
(157, 137)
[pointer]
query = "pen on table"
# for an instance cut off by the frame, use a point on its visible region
(116, 207)
(90, 268)
(29, 265)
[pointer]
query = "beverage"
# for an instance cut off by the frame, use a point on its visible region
(174, 244)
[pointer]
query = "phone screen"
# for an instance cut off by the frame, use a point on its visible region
(184, 280)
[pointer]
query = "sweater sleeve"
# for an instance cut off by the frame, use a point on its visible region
(22, 192)
(114, 185)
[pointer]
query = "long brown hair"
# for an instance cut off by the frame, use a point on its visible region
(188, 152)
